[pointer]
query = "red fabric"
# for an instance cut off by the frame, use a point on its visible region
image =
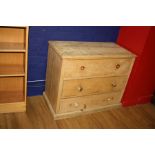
(141, 41)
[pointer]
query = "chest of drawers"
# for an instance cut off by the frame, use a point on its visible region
(84, 77)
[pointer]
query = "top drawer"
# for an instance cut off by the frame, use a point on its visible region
(96, 68)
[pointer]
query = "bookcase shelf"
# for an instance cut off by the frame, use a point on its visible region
(13, 68)
(12, 47)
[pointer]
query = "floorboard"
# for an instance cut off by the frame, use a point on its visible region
(38, 116)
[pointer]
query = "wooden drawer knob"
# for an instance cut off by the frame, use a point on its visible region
(118, 66)
(82, 67)
(110, 98)
(84, 107)
(80, 89)
(76, 104)
(114, 85)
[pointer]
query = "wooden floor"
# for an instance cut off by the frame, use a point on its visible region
(39, 116)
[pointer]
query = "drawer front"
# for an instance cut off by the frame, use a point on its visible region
(88, 102)
(95, 68)
(82, 87)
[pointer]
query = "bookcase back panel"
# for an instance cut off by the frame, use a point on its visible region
(8, 84)
(12, 35)
(12, 59)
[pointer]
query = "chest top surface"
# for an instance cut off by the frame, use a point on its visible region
(74, 49)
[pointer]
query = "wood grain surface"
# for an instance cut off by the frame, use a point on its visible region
(93, 50)
(39, 116)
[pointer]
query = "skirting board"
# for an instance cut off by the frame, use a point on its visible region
(73, 114)
(12, 107)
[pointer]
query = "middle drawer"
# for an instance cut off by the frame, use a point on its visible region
(82, 87)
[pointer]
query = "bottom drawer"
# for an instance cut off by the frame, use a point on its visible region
(88, 102)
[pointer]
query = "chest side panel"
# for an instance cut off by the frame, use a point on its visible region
(53, 77)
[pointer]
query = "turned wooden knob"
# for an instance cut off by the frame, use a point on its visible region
(114, 85)
(84, 107)
(82, 67)
(110, 98)
(118, 66)
(80, 88)
(76, 104)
